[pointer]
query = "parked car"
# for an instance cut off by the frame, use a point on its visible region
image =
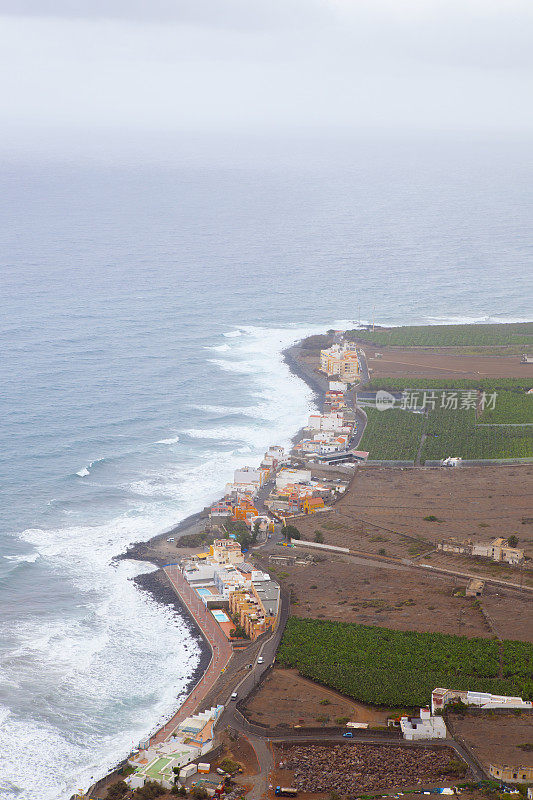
(348, 735)
(171, 539)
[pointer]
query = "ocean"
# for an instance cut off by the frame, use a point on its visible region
(145, 306)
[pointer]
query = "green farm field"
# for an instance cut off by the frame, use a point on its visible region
(393, 434)
(401, 668)
(520, 333)
(503, 429)
(511, 408)
(455, 433)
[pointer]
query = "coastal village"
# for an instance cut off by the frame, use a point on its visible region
(228, 577)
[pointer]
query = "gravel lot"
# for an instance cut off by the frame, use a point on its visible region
(349, 768)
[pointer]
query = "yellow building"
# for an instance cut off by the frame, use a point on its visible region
(341, 361)
(226, 551)
(511, 774)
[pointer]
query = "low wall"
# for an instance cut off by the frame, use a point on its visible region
(481, 461)
(390, 463)
(318, 546)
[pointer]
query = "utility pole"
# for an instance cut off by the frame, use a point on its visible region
(373, 316)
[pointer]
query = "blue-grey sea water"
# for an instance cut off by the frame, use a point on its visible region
(144, 308)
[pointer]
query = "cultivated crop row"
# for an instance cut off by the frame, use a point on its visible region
(509, 408)
(454, 433)
(401, 668)
(392, 434)
(520, 333)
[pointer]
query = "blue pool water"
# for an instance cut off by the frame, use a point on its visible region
(220, 616)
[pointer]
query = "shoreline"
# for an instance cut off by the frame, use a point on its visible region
(156, 582)
(141, 551)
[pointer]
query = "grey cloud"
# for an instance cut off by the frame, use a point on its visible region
(239, 14)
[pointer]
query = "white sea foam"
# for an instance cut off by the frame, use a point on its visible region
(172, 440)
(219, 348)
(485, 320)
(222, 410)
(30, 558)
(108, 701)
(83, 653)
(85, 471)
(233, 334)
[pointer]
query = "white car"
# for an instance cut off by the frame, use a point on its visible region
(260, 660)
(171, 539)
(234, 695)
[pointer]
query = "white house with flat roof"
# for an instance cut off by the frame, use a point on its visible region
(424, 726)
(441, 697)
(288, 476)
(248, 475)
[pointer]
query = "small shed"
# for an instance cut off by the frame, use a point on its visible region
(475, 588)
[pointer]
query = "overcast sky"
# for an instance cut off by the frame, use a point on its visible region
(266, 65)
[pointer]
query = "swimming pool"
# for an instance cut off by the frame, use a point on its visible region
(203, 592)
(220, 616)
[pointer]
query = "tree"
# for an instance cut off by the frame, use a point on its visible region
(149, 791)
(117, 790)
(199, 793)
(229, 765)
(319, 537)
(512, 541)
(291, 532)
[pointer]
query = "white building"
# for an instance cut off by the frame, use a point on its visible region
(192, 738)
(498, 550)
(441, 697)
(275, 454)
(247, 476)
(327, 422)
(423, 727)
(288, 476)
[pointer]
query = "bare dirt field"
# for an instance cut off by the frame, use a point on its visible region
(348, 589)
(285, 698)
(417, 363)
(348, 768)
(495, 737)
(477, 503)
(371, 593)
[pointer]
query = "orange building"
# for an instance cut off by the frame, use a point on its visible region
(312, 504)
(256, 608)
